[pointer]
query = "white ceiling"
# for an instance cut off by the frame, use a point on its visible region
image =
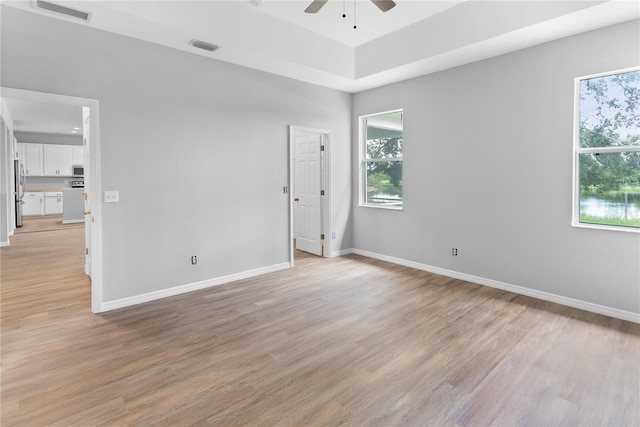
(41, 117)
(412, 39)
(371, 22)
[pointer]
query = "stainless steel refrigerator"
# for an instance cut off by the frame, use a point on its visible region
(19, 194)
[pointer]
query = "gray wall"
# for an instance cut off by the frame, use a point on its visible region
(197, 148)
(488, 169)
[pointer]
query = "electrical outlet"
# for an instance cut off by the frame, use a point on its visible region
(194, 260)
(112, 196)
(454, 251)
(333, 235)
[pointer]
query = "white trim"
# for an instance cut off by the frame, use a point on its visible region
(577, 150)
(545, 296)
(343, 252)
(383, 160)
(72, 221)
(325, 179)
(95, 190)
(328, 194)
(4, 244)
(608, 73)
(575, 182)
(362, 159)
(94, 170)
(605, 150)
(182, 289)
(588, 225)
(292, 249)
(381, 206)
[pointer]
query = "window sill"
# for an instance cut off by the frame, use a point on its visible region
(390, 208)
(606, 227)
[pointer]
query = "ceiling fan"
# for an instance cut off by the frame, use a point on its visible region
(383, 5)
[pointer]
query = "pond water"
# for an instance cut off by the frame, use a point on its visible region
(600, 208)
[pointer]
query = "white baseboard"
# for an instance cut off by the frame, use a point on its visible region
(3, 244)
(545, 296)
(72, 221)
(177, 290)
(340, 253)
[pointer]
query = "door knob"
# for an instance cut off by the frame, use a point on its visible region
(296, 200)
(87, 211)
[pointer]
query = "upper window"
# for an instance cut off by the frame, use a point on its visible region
(607, 150)
(381, 160)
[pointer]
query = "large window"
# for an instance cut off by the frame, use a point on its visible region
(381, 160)
(607, 151)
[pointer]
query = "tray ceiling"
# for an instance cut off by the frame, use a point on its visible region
(412, 39)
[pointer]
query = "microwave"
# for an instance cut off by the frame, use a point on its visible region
(78, 170)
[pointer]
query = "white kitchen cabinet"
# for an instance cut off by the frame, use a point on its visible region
(50, 153)
(78, 154)
(50, 159)
(32, 159)
(52, 203)
(20, 152)
(65, 157)
(57, 160)
(33, 203)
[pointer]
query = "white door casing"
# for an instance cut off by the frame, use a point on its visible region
(88, 219)
(92, 177)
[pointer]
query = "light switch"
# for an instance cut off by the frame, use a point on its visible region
(111, 196)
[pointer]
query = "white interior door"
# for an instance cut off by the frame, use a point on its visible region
(307, 185)
(88, 222)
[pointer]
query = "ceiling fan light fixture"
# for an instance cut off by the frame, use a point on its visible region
(384, 5)
(203, 45)
(315, 6)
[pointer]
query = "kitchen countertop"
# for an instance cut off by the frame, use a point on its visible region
(53, 190)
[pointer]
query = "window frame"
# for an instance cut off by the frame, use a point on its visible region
(362, 161)
(577, 151)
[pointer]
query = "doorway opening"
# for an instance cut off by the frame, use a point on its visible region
(92, 187)
(309, 183)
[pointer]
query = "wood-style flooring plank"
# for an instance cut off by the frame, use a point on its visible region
(344, 341)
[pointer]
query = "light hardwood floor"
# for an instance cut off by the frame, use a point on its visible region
(348, 341)
(45, 223)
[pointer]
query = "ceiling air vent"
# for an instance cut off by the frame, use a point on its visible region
(203, 45)
(63, 10)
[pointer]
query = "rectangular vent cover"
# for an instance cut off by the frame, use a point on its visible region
(56, 8)
(203, 45)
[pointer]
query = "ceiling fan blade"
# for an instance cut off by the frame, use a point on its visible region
(315, 6)
(384, 5)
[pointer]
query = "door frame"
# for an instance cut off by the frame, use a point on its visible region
(94, 181)
(325, 182)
